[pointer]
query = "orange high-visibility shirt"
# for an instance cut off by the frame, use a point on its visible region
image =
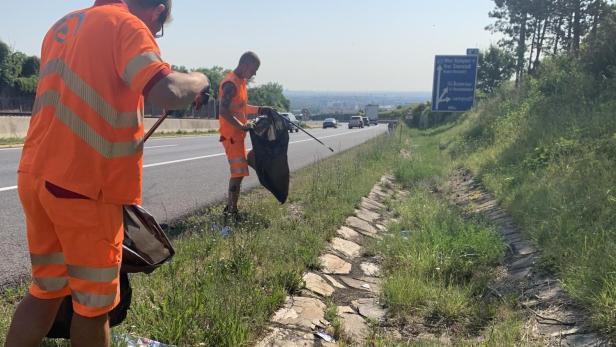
(239, 107)
(86, 129)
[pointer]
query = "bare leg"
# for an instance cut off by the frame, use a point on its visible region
(235, 185)
(31, 322)
(90, 332)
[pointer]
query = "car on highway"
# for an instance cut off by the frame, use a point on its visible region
(366, 121)
(330, 123)
(356, 122)
(291, 117)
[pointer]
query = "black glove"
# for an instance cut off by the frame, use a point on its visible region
(266, 110)
(202, 98)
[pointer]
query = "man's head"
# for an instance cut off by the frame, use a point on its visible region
(248, 66)
(154, 13)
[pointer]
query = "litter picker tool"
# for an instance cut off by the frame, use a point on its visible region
(304, 131)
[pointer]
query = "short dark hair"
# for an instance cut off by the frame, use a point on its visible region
(250, 58)
(165, 16)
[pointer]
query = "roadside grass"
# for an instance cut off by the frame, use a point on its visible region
(550, 158)
(10, 141)
(185, 133)
(221, 291)
(438, 265)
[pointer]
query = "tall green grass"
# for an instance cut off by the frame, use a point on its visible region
(221, 291)
(438, 265)
(548, 151)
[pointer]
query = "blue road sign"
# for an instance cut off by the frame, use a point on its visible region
(455, 79)
(472, 51)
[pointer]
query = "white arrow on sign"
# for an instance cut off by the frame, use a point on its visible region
(440, 98)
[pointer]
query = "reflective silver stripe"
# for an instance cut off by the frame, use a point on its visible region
(137, 64)
(116, 119)
(47, 259)
(240, 170)
(94, 274)
(93, 300)
(105, 148)
(50, 284)
(237, 161)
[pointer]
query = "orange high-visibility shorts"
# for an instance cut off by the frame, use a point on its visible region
(75, 246)
(236, 154)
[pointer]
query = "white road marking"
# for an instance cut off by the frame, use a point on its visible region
(222, 154)
(5, 189)
(165, 146)
(11, 149)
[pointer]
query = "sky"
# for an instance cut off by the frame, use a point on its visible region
(308, 45)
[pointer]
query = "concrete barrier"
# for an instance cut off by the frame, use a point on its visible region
(17, 126)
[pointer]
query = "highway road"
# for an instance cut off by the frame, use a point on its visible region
(180, 175)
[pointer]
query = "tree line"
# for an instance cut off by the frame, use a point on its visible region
(18, 72)
(536, 29)
(19, 79)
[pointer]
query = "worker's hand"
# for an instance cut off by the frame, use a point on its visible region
(202, 98)
(249, 125)
(266, 110)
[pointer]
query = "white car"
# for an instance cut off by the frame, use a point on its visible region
(290, 116)
(356, 122)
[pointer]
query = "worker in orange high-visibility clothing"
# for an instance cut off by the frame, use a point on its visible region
(233, 117)
(82, 159)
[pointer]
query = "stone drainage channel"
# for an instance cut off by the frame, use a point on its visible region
(553, 318)
(347, 278)
(352, 281)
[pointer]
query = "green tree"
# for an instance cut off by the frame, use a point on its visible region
(270, 94)
(30, 66)
(495, 67)
(215, 75)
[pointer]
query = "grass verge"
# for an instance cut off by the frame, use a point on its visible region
(221, 291)
(439, 265)
(10, 141)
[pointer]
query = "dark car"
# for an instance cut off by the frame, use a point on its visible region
(366, 121)
(330, 123)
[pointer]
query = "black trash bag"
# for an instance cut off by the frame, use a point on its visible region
(270, 142)
(145, 247)
(61, 328)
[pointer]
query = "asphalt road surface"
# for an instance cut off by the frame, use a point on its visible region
(180, 175)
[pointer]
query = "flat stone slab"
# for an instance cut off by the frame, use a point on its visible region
(348, 248)
(279, 337)
(361, 225)
(369, 308)
(317, 284)
(370, 269)
(300, 312)
(334, 282)
(350, 234)
(366, 215)
(354, 327)
(374, 203)
(361, 284)
(333, 265)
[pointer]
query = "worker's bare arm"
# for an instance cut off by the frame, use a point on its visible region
(177, 90)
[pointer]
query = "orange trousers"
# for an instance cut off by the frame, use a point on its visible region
(75, 247)
(236, 154)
